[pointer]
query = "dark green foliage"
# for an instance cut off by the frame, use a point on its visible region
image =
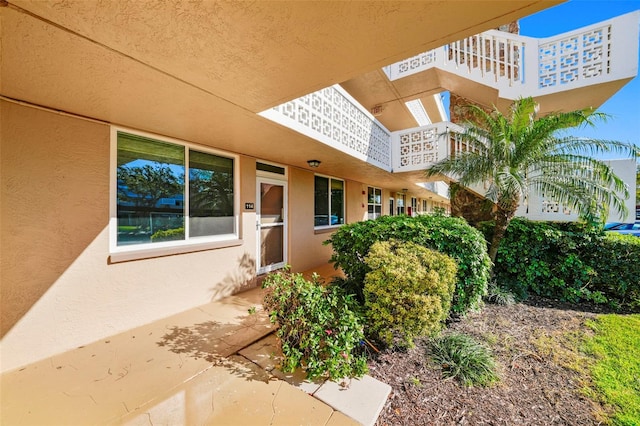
(319, 327)
(448, 235)
(407, 292)
(571, 262)
(615, 260)
(168, 235)
(464, 359)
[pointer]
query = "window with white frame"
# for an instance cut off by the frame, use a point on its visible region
(374, 201)
(169, 193)
(328, 201)
(414, 206)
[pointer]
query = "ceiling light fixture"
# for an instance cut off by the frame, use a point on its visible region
(313, 163)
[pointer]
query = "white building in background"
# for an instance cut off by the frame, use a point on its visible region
(537, 207)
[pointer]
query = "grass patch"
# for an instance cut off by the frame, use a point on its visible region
(616, 371)
(462, 358)
(562, 347)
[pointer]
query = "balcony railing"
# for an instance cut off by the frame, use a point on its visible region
(420, 147)
(521, 66)
(517, 66)
(333, 117)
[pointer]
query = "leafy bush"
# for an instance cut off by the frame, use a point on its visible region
(571, 262)
(407, 292)
(615, 260)
(448, 235)
(464, 359)
(168, 235)
(319, 327)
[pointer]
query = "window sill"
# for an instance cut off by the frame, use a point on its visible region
(327, 230)
(148, 253)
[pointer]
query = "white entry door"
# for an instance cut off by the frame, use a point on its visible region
(271, 224)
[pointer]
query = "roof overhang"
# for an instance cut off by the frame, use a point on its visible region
(201, 71)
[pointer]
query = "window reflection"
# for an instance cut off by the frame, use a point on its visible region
(152, 178)
(150, 196)
(210, 194)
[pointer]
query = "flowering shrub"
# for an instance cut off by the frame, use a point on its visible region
(319, 327)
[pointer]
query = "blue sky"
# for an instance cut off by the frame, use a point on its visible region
(624, 106)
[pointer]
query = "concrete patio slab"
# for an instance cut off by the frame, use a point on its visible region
(236, 392)
(358, 399)
(361, 399)
(212, 365)
(268, 356)
(106, 380)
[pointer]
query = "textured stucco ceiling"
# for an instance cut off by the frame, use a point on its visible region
(200, 71)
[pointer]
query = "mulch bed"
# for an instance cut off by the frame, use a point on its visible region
(538, 386)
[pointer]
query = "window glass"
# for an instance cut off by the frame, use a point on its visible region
(321, 201)
(329, 201)
(375, 203)
(150, 190)
(270, 168)
(337, 202)
(400, 200)
(152, 178)
(210, 194)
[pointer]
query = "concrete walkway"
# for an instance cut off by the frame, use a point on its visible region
(212, 365)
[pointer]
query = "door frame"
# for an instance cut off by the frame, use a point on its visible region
(280, 180)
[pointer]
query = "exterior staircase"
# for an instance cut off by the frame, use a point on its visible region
(574, 70)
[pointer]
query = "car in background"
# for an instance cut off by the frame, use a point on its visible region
(624, 228)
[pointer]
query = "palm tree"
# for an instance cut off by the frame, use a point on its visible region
(520, 152)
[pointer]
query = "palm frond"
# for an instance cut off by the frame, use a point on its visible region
(519, 152)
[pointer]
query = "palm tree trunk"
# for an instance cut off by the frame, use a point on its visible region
(503, 218)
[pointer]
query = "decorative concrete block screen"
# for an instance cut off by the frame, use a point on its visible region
(333, 117)
(579, 56)
(420, 147)
(521, 66)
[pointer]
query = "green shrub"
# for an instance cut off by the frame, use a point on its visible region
(319, 327)
(448, 235)
(464, 359)
(615, 260)
(568, 261)
(407, 292)
(168, 235)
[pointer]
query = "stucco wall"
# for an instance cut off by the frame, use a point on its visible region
(305, 246)
(58, 288)
(356, 199)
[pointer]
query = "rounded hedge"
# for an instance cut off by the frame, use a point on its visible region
(407, 293)
(449, 235)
